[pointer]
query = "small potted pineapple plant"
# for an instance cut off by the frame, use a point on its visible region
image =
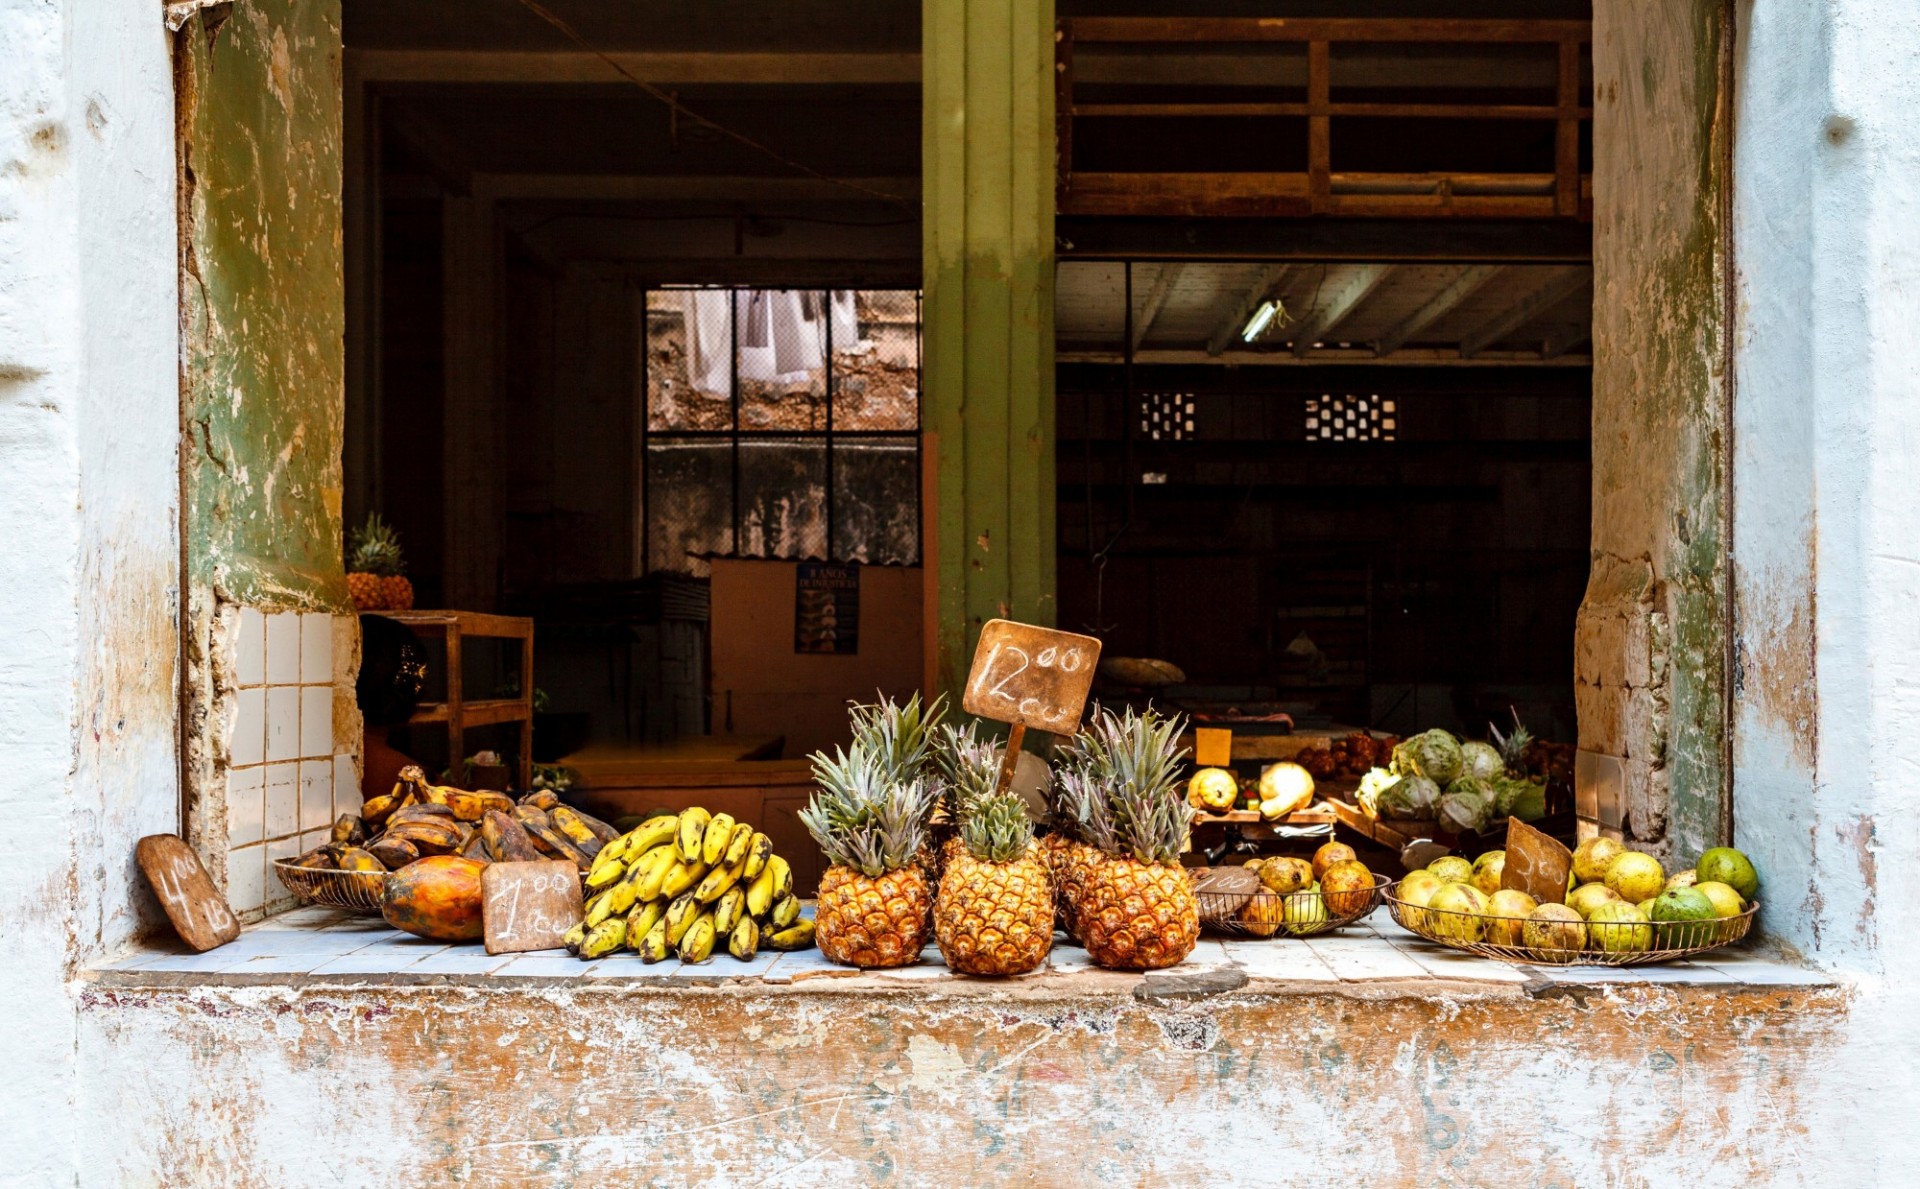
(376, 571)
(870, 814)
(993, 914)
(1131, 902)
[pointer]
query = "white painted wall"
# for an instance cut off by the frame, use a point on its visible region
(88, 512)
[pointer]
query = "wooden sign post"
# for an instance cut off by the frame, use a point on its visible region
(1536, 864)
(199, 913)
(529, 906)
(1029, 676)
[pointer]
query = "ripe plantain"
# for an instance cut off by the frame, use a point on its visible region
(603, 939)
(693, 832)
(617, 849)
(506, 839)
(599, 829)
(728, 910)
(543, 800)
(786, 910)
(557, 845)
(375, 812)
(758, 852)
(394, 851)
(717, 882)
(653, 947)
(696, 945)
(655, 831)
(349, 829)
(574, 936)
(744, 941)
(320, 858)
(641, 921)
(797, 936)
(599, 908)
(782, 876)
(680, 914)
(760, 893)
(569, 824)
(737, 846)
(714, 839)
(621, 897)
(649, 872)
(602, 875)
(682, 876)
(475, 848)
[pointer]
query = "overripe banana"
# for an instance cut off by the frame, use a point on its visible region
(797, 936)
(653, 832)
(744, 941)
(693, 832)
(641, 921)
(697, 943)
(603, 939)
(729, 909)
(758, 852)
(713, 843)
(680, 915)
(653, 947)
(786, 910)
(681, 876)
(649, 872)
(717, 882)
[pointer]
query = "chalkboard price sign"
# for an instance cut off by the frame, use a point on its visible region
(200, 915)
(1031, 676)
(529, 906)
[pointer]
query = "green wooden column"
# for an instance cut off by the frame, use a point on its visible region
(987, 162)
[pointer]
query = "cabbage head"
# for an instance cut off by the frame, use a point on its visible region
(1520, 798)
(1474, 786)
(1433, 754)
(1409, 796)
(1481, 760)
(1465, 813)
(1375, 782)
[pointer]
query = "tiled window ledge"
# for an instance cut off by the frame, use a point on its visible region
(322, 948)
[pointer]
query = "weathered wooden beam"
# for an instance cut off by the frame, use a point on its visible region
(1264, 286)
(1267, 29)
(512, 66)
(1523, 311)
(1156, 299)
(1563, 338)
(760, 192)
(1341, 293)
(1464, 284)
(1533, 241)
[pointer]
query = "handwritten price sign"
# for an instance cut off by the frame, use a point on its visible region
(529, 906)
(199, 913)
(1030, 676)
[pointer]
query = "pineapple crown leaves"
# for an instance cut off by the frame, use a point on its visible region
(1119, 788)
(968, 762)
(375, 549)
(1513, 746)
(862, 816)
(997, 829)
(898, 735)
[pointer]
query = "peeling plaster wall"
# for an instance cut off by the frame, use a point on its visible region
(1642, 1087)
(89, 513)
(263, 367)
(1827, 423)
(1651, 633)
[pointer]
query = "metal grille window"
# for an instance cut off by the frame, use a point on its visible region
(1166, 416)
(781, 423)
(1350, 419)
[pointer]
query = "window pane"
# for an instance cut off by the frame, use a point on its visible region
(783, 358)
(689, 504)
(876, 500)
(689, 345)
(876, 359)
(783, 498)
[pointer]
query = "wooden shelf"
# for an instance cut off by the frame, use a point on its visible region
(460, 714)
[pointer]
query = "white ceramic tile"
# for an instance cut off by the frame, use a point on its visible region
(1447, 963)
(283, 648)
(280, 964)
(461, 959)
(211, 962)
(279, 848)
(246, 806)
(316, 721)
(1364, 959)
(250, 649)
(346, 786)
(314, 838)
(316, 794)
(387, 957)
(283, 723)
(1069, 959)
(1287, 960)
(808, 964)
(627, 965)
(246, 878)
(248, 743)
(282, 799)
(543, 964)
(1765, 973)
(316, 649)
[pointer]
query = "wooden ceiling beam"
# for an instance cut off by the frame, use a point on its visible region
(1523, 311)
(1563, 338)
(511, 66)
(1464, 284)
(1342, 292)
(1156, 300)
(1264, 286)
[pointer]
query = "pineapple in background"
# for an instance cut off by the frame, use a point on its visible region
(870, 815)
(969, 767)
(1134, 906)
(375, 578)
(994, 912)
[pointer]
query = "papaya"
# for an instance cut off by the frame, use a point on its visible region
(437, 898)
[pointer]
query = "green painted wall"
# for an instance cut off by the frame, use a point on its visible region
(262, 302)
(988, 366)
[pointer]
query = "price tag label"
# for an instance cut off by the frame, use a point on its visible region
(529, 906)
(200, 915)
(1031, 676)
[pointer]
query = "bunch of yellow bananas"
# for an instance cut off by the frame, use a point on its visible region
(687, 882)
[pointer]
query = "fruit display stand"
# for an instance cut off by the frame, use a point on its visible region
(1664, 941)
(460, 713)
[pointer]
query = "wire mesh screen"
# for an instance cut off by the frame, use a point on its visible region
(781, 423)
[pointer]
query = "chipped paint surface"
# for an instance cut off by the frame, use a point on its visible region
(1660, 390)
(578, 1086)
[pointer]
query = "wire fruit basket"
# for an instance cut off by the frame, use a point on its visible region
(1288, 914)
(1621, 943)
(354, 891)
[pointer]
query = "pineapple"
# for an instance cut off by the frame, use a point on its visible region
(1134, 907)
(994, 912)
(870, 815)
(969, 767)
(1513, 747)
(374, 569)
